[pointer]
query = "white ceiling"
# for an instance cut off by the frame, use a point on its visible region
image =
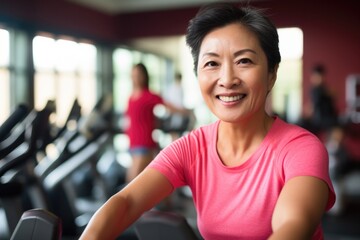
(123, 6)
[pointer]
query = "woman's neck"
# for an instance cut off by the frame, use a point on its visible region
(137, 91)
(238, 141)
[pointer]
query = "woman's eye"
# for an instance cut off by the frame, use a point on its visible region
(244, 61)
(211, 64)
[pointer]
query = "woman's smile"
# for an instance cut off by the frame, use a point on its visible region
(231, 98)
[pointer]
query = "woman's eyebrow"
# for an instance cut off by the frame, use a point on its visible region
(211, 54)
(242, 51)
(238, 53)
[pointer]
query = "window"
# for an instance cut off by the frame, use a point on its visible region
(65, 71)
(286, 97)
(4, 75)
(123, 61)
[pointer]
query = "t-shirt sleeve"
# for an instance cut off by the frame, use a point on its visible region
(170, 163)
(307, 156)
(157, 99)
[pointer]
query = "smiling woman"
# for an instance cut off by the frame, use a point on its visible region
(246, 163)
(233, 73)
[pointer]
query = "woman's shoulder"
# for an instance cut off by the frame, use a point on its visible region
(287, 128)
(290, 132)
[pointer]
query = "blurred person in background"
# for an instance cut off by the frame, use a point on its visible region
(323, 111)
(142, 121)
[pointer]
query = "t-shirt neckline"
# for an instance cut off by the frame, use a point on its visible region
(249, 162)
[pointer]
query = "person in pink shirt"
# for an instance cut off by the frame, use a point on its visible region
(142, 122)
(252, 175)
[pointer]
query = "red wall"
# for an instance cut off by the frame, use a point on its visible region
(331, 29)
(59, 16)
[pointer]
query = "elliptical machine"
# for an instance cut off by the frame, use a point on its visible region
(18, 150)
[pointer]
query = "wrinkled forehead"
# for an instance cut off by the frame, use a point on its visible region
(231, 38)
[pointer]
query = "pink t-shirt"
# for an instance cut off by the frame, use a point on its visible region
(142, 119)
(238, 202)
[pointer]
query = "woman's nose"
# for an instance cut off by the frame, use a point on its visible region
(228, 77)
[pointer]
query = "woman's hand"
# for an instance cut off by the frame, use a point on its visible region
(126, 206)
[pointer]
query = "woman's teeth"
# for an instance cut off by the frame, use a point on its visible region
(231, 98)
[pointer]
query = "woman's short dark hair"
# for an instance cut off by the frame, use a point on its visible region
(218, 15)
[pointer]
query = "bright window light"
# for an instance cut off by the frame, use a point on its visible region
(65, 71)
(68, 55)
(291, 43)
(4, 75)
(4, 47)
(87, 61)
(286, 95)
(44, 52)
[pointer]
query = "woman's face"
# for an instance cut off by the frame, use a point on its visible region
(233, 73)
(138, 78)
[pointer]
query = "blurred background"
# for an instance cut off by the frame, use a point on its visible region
(57, 55)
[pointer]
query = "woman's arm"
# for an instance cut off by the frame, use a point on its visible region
(174, 109)
(299, 208)
(126, 206)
